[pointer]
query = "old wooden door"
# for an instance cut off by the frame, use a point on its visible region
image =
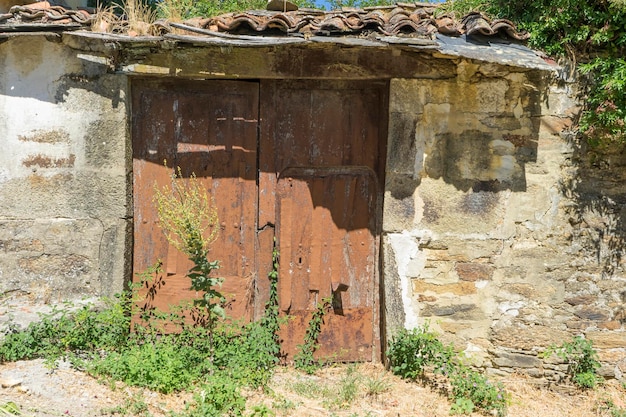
(316, 187)
(321, 157)
(208, 129)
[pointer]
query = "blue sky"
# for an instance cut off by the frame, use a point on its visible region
(322, 4)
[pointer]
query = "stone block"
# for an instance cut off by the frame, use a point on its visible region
(528, 338)
(459, 288)
(610, 325)
(456, 311)
(581, 299)
(607, 340)
(593, 314)
(472, 271)
(612, 355)
(515, 360)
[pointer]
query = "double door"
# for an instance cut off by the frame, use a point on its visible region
(299, 163)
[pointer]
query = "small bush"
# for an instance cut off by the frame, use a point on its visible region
(414, 352)
(161, 366)
(411, 351)
(219, 396)
(582, 359)
(471, 389)
(62, 332)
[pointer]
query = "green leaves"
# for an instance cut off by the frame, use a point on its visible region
(304, 359)
(582, 359)
(61, 332)
(412, 353)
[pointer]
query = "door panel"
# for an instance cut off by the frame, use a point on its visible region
(321, 171)
(210, 130)
(328, 251)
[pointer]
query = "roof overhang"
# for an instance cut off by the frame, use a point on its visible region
(252, 56)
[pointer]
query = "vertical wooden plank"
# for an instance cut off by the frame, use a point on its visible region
(309, 129)
(286, 243)
(317, 240)
(209, 129)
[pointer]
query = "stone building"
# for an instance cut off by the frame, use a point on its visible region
(416, 169)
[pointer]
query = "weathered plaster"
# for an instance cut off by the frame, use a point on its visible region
(63, 189)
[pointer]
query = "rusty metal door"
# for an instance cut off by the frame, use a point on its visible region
(209, 129)
(316, 187)
(322, 150)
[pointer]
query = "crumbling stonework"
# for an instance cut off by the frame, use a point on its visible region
(505, 233)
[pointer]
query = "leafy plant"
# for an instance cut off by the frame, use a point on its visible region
(412, 353)
(160, 366)
(261, 410)
(582, 360)
(471, 389)
(304, 359)
(10, 409)
(220, 396)
(188, 218)
(62, 332)
(614, 411)
(462, 405)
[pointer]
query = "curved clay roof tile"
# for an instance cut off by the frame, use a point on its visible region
(448, 25)
(332, 24)
(506, 26)
(476, 23)
(373, 18)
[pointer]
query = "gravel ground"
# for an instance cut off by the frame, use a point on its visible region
(41, 392)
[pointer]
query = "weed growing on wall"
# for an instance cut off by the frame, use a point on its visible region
(582, 360)
(304, 359)
(413, 353)
(188, 217)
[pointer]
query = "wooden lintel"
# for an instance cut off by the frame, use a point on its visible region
(309, 61)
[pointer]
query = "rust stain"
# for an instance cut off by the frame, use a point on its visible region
(46, 136)
(49, 162)
(37, 180)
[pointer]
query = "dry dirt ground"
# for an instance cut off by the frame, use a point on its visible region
(40, 391)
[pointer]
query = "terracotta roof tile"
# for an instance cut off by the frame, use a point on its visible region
(404, 20)
(42, 13)
(392, 21)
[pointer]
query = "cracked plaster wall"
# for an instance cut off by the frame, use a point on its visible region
(64, 205)
(484, 231)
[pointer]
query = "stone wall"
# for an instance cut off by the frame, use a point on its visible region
(64, 202)
(499, 230)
